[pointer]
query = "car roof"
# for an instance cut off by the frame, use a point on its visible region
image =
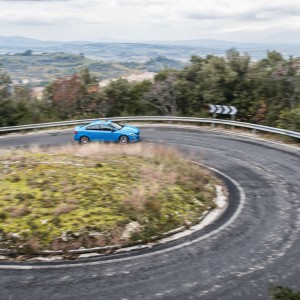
(100, 122)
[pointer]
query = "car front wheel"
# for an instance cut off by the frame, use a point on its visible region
(84, 140)
(123, 139)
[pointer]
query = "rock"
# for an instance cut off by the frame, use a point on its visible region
(130, 228)
(40, 258)
(15, 235)
(95, 234)
(87, 255)
(187, 223)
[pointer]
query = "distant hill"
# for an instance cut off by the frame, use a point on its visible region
(38, 62)
(138, 51)
(39, 69)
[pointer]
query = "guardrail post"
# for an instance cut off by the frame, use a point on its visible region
(213, 125)
(253, 131)
(232, 119)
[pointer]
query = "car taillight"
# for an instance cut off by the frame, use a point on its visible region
(75, 132)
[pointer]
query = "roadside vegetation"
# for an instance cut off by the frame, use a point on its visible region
(265, 92)
(99, 195)
(284, 293)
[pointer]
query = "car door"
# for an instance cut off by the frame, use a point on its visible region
(93, 132)
(107, 133)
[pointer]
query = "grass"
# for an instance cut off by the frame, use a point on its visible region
(98, 195)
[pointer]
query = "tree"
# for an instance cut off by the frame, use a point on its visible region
(90, 96)
(86, 77)
(118, 95)
(241, 90)
(124, 97)
(290, 119)
(215, 81)
(260, 112)
(189, 93)
(277, 83)
(163, 95)
(290, 78)
(237, 62)
(102, 105)
(27, 53)
(17, 106)
(64, 96)
(23, 104)
(7, 108)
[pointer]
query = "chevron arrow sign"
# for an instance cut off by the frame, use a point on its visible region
(222, 109)
(212, 108)
(233, 110)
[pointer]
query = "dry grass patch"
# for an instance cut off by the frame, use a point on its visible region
(73, 196)
(64, 208)
(16, 212)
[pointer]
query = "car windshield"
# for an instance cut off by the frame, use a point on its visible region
(116, 125)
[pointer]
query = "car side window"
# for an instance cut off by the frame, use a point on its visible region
(105, 128)
(94, 127)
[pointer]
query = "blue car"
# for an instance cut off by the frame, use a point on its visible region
(106, 131)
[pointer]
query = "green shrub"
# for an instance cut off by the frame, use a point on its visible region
(284, 293)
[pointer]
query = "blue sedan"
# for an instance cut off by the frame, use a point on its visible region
(106, 131)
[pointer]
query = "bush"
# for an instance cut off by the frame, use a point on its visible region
(284, 293)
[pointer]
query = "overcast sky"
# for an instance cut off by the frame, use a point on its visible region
(233, 20)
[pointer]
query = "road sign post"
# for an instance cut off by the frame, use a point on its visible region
(224, 110)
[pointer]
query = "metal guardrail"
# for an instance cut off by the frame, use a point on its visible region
(253, 127)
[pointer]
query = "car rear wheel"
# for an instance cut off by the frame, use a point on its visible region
(123, 139)
(84, 140)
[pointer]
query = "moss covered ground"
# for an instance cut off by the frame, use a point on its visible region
(97, 195)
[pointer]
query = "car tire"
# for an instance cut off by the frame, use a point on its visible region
(84, 140)
(123, 139)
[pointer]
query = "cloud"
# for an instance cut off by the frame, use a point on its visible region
(245, 10)
(141, 3)
(34, 0)
(144, 19)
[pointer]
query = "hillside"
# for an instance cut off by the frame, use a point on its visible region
(141, 51)
(39, 69)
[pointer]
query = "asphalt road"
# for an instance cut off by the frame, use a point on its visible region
(258, 249)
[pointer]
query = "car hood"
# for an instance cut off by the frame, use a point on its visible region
(128, 128)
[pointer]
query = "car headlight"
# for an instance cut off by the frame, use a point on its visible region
(132, 134)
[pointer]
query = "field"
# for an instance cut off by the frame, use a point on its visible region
(98, 195)
(40, 69)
